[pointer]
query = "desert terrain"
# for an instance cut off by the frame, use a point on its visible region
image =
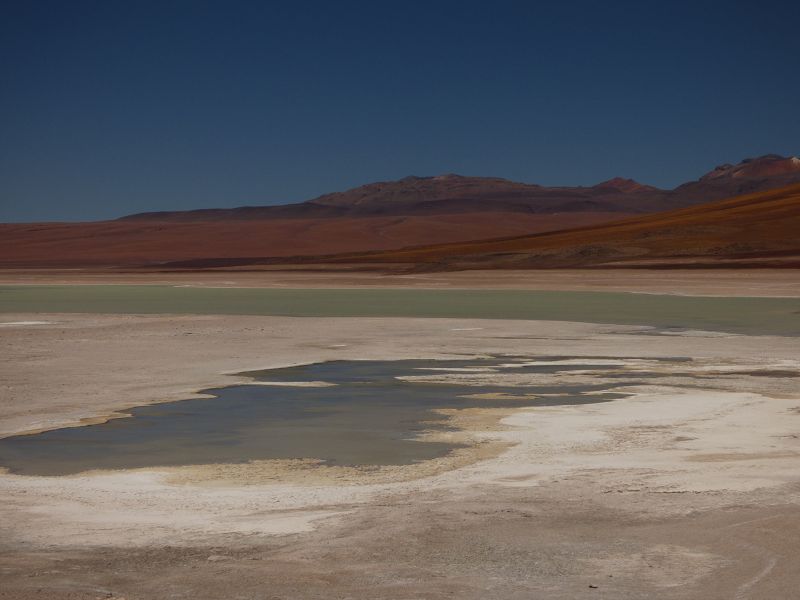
(686, 487)
(135, 243)
(749, 231)
(744, 214)
(610, 414)
(385, 301)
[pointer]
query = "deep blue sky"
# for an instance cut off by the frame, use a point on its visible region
(112, 107)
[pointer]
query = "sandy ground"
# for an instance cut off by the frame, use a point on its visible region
(698, 282)
(688, 488)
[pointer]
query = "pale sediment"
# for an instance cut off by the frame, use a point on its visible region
(686, 487)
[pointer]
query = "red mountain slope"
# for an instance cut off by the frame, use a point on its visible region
(138, 243)
(759, 229)
(377, 217)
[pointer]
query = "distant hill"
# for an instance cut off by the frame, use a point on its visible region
(457, 194)
(137, 243)
(443, 194)
(755, 230)
(767, 172)
(380, 217)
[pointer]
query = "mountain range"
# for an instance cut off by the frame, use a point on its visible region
(372, 222)
(752, 230)
(453, 194)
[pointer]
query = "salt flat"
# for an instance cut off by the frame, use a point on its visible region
(686, 488)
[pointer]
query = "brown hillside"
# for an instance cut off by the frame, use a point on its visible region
(761, 229)
(140, 243)
(456, 194)
(442, 194)
(388, 216)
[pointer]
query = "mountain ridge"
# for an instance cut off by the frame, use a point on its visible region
(752, 230)
(452, 193)
(301, 232)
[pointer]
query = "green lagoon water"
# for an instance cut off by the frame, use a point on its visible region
(768, 316)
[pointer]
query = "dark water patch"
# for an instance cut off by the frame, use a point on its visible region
(561, 357)
(646, 375)
(366, 417)
(766, 373)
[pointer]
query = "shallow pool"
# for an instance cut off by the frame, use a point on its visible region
(361, 414)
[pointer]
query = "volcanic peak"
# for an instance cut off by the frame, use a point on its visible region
(751, 168)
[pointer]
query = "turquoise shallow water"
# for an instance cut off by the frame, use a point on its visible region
(766, 316)
(367, 417)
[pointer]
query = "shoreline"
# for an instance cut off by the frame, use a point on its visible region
(768, 283)
(567, 440)
(663, 313)
(225, 371)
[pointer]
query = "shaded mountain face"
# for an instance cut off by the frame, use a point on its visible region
(443, 194)
(457, 194)
(415, 190)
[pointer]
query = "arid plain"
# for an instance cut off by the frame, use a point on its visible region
(385, 301)
(684, 486)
